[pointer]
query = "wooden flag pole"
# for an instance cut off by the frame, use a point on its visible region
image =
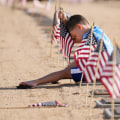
(27, 107)
(51, 39)
(90, 55)
(51, 48)
(80, 83)
(15, 107)
(63, 61)
(70, 81)
(41, 16)
(58, 53)
(114, 64)
(97, 66)
(49, 35)
(91, 37)
(52, 26)
(32, 14)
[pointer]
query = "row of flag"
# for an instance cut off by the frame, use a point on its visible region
(36, 3)
(87, 62)
(61, 35)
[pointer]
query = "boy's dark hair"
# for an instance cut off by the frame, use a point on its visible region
(74, 20)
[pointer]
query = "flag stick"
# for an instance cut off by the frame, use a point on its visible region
(49, 36)
(114, 63)
(51, 40)
(90, 55)
(70, 87)
(91, 37)
(27, 107)
(14, 107)
(22, 8)
(32, 14)
(97, 66)
(50, 33)
(63, 61)
(70, 81)
(58, 53)
(80, 82)
(51, 49)
(86, 95)
(41, 16)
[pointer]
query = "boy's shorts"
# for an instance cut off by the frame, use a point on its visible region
(76, 74)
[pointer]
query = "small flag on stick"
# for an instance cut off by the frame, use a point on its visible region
(107, 75)
(66, 41)
(48, 104)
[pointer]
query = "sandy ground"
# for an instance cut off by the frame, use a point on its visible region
(24, 55)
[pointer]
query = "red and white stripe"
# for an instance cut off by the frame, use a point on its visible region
(56, 33)
(66, 45)
(90, 69)
(35, 105)
(107, 79)
(82, 54)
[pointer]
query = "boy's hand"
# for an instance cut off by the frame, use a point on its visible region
(62, 16)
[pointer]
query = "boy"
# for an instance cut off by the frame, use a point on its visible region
(79, 29)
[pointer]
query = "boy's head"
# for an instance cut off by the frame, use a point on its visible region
(77, 26)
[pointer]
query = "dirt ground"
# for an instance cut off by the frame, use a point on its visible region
(24, 55)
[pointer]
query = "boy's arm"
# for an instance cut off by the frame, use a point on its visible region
(62, 16)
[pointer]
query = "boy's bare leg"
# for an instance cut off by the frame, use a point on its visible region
(53, 77)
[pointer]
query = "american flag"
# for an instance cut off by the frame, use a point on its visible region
(112, 86)
(66, 41)
(56, 28)
(83, 51)
(90, 68)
